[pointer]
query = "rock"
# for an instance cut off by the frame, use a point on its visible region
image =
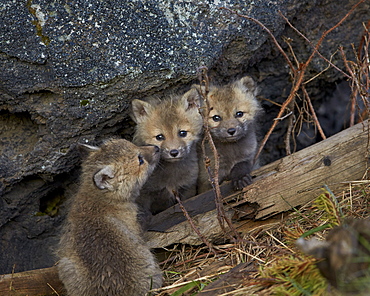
(70, 71)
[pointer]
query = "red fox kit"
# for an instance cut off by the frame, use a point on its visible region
(174, 125)
(233, 110)
(102, 252)
(344, 255)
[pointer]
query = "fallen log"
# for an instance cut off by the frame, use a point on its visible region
(289, 182)
(278, 187)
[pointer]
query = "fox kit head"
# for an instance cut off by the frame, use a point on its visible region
(118, 166)
(344, 254)
(173, 124)
(232, 108)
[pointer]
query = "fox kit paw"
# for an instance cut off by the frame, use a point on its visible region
(242, 182)
(240, 176)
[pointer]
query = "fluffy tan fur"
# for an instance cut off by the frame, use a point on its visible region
(101, 249)
(231, 119)
(175, 125)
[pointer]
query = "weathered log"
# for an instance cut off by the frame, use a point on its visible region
(289, 182)
(31, 283)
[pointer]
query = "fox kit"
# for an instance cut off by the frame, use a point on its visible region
(233, 110)
(344, 255)
(174, 125)
(102, 252)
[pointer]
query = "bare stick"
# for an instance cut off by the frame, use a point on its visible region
(213, 176)
(363, 39)
(283, 107)
(191, 222)
(309, 42)
(290, 128)
(50, 286)
(298, 74)
(355, 86)
(267, 30)
(313, 113)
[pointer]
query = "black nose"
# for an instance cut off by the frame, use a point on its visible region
(231, 131)
(156, 148)
(174, 152)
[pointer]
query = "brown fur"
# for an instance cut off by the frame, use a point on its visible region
(102, 252)
(232, 116)
(162, 123)
(345, 254)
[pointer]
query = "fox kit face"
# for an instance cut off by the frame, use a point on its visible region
(174, 124)
(232, 108)
(119, 166)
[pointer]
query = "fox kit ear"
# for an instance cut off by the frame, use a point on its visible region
(85, 149)
(102, 176)
(247, 84)
(313, 247)
(140, 110)
(191, 99)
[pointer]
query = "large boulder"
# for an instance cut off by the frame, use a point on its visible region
(70, 70)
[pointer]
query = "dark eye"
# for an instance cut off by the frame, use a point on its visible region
(141, 160)
(217, 118)
(239, 114)
(160, 137)
(183, 134)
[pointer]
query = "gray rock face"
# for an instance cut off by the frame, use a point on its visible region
(71, 68)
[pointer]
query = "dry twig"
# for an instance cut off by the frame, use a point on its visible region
(191, 222)
(213, 172)
(359, 71)
(298, 73)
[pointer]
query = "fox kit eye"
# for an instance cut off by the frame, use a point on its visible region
(239, 114)
(160, 137)
(217, 118)
(183, 134)
(141, 160)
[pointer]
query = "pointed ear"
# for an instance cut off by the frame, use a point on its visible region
(191, 99)
(313, 247)
(101, 178)
(140, 110)
(85, 149)
(247, 84)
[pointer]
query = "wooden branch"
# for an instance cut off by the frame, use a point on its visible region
(289, 182)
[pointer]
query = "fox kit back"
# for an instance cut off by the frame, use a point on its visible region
(231, 119)
(174, 125)
(102, 252)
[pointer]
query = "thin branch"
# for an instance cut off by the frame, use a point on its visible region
(290, 128)
(326, 69)
(213, 176)
(313, 113)
(363, 40)
(314, 48)
(285, 116)
(54, 291)
(333, 28)
(283, 107)
(191, 222)
(298, 74)
(267, 30)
